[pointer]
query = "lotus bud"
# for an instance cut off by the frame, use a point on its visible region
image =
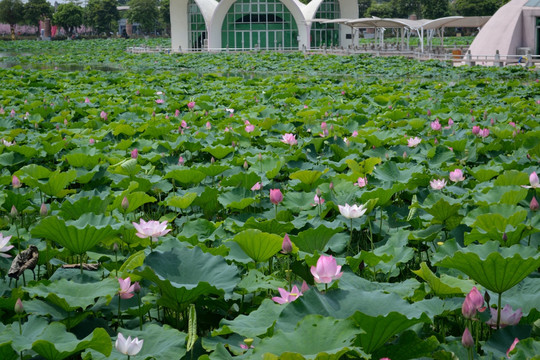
(125, 203)
(260, 156)
(212, 160)
(43, 210)
(15, 182)
(248, 342)
(19, 309)
(318, 192)
(136, 287)
(429, 113)
(404, 154)
(286, 247)
(134, 153)
(181, 161)
(233, 144)
(246, 166)
(92, 141)
(505, 237)
(115, 247)
(305, 287)
(331, 186)
(14, 211)
(534, 204)
(487, 298)
(467, 339)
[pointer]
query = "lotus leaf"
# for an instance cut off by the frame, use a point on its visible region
(495, 268)
(258, 245)
(183, 275)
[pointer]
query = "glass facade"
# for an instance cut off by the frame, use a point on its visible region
(262, 24)
(197, 26)
(325, 34)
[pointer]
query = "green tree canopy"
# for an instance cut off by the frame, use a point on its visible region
(12, 13)
(35, 10)
(434, 9)
(68, 16)
(363, 5)
(102, 15)
(382, 10)
(144, 12)
(165, 14)
(477, 7)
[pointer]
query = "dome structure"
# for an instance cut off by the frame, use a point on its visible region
(259, 24)
(512, 30)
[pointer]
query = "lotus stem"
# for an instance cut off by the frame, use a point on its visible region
(380, 230)
(270, 265)
(499, 311)
(350, 239)
(140, 314)
(81, 259)
(20, 325)
(119, 312)
(275, 207)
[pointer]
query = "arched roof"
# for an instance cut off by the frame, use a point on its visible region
(457, 21)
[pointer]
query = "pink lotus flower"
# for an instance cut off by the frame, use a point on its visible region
(534, 204)
(151, 228)
(435, 125)
(183, 124)
(413, 142)
(318, 200)
(352, 212)
(159, 101)
(276, 196)
(289, 139)
(103, 115)
(4, 247)
(128, 346)
(324, 125)
(512, 347)
(134, 153)
(86, 100)
(181, 161)
(126, 288)
(473, 302)
(437, 184)
(256, 187)
(362, 181)
(467, 339)
(15, 182)
(354, 133)
(326, 270)
(176, 113)
(191, 105)
(484, 133)
(208, 125)
(286, 246)
(287, 297)
(476, 129)
(249, 128)
(43, 211)
(91, 141)
(19, 308)
(508, 317)
(457, 175)
(534, 181)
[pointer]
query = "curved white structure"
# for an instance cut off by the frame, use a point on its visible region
(295, 32)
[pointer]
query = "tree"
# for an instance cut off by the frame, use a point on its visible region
(383, 10)
(35, 10)
(144, 12)
(12, 13)
(477, 7)
(404, 8)
(434, 9)
(165, 14)
(363, 5)
(102, 15)
(69, 16)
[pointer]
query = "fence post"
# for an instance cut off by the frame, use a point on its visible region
(497, 61)
(529, 58)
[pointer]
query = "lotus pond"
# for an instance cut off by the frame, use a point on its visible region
(265, 206)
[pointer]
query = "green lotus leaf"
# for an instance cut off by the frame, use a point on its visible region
(512, 177)
(255, 324)
(128, 167)
(131, 263)
(82, 160)
(74, 209)
(136, 199)
(439, 155)
(383, 196)
(235, 199)
(363, 168)
(257, 281)
(270, 226)
(495, 268)
(312, 240)
(11, 158)
(53, 147)
(516, 214)
(69, 295)
(495, 226)
(273, 172)
(379, 329)
(307, 177)
(78, 236)
(57, 344)
(213, 169)
(33, 171)
(20, 201)
(444, 212)
(183, 275)
(181, 202)
(201, 229)
(185, 176)
(525, 295)
(408, 346)
(485, 173)
(160, 342)
(241, 179)
(56, 183)
(298, 201)
(501, 194)
(27, 151)
(258, 245)
(123, 129)
(445, 285)
(315, 337)
(219, 151)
